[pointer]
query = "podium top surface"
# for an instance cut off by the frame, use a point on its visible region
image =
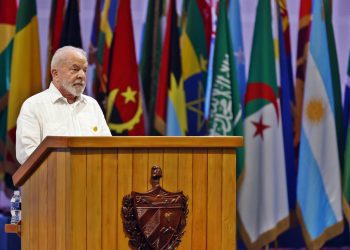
(51, 143)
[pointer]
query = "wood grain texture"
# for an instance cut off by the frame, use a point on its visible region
(170, 169)
(229, 199)
(44, 220)
(140, 167)
(78, 199)
(94, 199)
(125, 157)
(26, 216)
(34, 211)
(200, 199)
(185, 184)
(214, 198)
(51, 192)
(109, 198)
(61, 198)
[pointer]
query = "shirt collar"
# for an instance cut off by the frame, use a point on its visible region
(56, 95)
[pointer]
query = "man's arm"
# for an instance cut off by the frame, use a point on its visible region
(28, 133)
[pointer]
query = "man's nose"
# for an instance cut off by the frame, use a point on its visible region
(81, 74)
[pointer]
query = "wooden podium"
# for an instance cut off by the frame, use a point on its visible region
(72, 189)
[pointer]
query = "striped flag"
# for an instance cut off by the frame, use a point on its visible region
(55, 29)
(176, 119)
(263, 210)
(7, 32)
(124, 106)
(170, 85)
(318, 186)
(303, 43)
(194, 65)
(8, 11)
(25, 67)
(107, 25)
(150, 57)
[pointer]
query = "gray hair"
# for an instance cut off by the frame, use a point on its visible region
(60, 55)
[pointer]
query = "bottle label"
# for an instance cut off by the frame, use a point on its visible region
(16, 206)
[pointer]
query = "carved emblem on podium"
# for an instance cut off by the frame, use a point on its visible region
(156, 219)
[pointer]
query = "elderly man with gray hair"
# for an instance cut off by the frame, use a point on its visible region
(62, 109)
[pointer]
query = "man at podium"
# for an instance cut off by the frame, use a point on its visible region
(62, 109)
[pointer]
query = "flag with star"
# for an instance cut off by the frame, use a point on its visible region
(263, 210)
(225, 112)
(194, 68)
(319, 206)
(124, 104)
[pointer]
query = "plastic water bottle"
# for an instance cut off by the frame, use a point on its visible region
(16, 207)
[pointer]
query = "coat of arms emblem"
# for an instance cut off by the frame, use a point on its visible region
(155, 219)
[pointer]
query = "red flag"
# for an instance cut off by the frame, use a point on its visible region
(124, 108)
(163, 79)
(56, 23)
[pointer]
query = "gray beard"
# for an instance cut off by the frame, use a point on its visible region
(72, 90)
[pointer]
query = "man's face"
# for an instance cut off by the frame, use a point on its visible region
(71, 75)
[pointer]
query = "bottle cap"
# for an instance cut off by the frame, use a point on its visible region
(16, 192)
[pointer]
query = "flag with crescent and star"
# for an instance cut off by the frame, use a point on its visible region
(124, 105)
(262, 197)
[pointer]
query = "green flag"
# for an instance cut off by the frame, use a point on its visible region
(225, 114)
(150, 57)
(262, 196)
(335, 80)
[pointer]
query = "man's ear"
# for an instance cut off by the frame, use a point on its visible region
(54, 72)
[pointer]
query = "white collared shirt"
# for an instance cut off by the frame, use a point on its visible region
(49, 113)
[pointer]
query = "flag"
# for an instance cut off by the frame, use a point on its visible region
(263, 210)
(335, 81)
(225, 113)
(176, 118)
(302, 48)
(170, 72)
(95, 32)
(71, 34)
(346, 171)
(8, 11)
(205, 10)
(318, 185)
(55, 29)
(107, 25)
(194, 65)
(7, 32)
(150, 57)
(124, 105)
(25, 67)
(234, 16)
(287, 99)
